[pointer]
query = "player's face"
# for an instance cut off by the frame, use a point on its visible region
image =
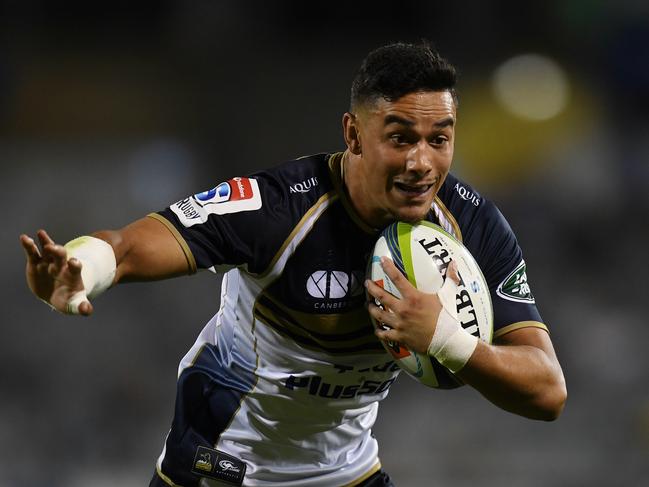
(404, 153)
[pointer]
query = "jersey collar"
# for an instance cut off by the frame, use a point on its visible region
(337, 173)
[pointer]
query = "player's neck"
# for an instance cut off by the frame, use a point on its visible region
(356, 191)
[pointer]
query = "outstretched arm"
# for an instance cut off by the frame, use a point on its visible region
(144, 250)
(519, 373)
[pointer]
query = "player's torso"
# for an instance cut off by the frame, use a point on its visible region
(299, 335)
(292, 340)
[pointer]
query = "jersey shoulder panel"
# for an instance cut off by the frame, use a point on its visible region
(245, 220)
(482, 227)
(488, 236)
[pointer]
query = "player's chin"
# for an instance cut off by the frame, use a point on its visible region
(412, 214)
(412, 208)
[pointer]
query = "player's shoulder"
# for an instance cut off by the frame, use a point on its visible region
(291, 189)
(466, 204)
(301, 179)
(481, 226)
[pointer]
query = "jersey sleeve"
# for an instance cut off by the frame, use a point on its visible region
(241, 222)
(495, 247)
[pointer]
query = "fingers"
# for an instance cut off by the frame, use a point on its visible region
(44, 238)
(56, 254)
(386, 334)
(403, 287)
(385, 298)
(380, 315)
(51, 251)
(74, 266)
(447, 293)
(452, 272)
(31, 249)
(395, 275)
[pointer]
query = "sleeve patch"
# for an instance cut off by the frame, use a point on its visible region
(515, 286)
(232, 196)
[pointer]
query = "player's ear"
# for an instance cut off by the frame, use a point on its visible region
(351, 133)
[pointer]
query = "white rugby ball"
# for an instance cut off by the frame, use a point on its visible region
(422, 252)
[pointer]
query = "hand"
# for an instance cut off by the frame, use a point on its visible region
(411, 319)
(50, 275)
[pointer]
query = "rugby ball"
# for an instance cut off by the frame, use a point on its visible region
(422, 252)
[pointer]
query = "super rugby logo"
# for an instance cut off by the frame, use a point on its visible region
(235, 189)
(219, 194)
(232, 196)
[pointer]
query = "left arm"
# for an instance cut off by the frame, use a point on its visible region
(520, 373)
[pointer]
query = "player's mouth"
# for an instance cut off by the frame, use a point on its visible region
(413, 190)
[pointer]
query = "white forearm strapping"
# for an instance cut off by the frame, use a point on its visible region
(98, 268)
(451, 345)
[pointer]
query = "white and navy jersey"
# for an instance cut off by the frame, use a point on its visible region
(282, 385)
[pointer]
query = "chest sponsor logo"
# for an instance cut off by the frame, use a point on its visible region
(467, 195)
(515, 286)
(232, 196)
(347, 382)
(334, 284)
(304, 186)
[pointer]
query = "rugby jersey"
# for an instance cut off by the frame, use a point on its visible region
(286, 378)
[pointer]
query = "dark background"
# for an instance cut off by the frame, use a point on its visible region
(109, 111)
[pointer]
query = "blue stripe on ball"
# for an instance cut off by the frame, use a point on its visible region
(392, 239)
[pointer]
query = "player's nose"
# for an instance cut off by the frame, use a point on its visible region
(420, 158)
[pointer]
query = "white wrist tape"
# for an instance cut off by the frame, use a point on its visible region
(98, 268)
(452, 346)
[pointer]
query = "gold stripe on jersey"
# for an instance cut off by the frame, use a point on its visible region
(336, 167)
(517, 326)
(325, 200)
(360, 480)
(166, 479)
(191, 262)
(332, 333)
(446, 218)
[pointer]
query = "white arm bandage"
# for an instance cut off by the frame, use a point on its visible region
(98, 268)
(451, 345)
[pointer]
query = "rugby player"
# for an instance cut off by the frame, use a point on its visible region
(282, 385)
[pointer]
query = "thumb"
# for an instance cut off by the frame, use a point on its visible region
(447, 293)
(78, 304)
(85, 308)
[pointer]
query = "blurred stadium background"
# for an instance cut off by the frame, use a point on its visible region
(109, 111)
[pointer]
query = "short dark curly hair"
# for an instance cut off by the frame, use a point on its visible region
(394, 70)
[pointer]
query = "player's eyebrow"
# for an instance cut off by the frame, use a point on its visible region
(445, 122)
(397, 119)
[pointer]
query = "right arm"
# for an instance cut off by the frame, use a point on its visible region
(144, 250)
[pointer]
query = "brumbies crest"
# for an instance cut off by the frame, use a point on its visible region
(215, 464)
(515, 286)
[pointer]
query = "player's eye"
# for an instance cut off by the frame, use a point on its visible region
(439, 140)
(399, 139)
